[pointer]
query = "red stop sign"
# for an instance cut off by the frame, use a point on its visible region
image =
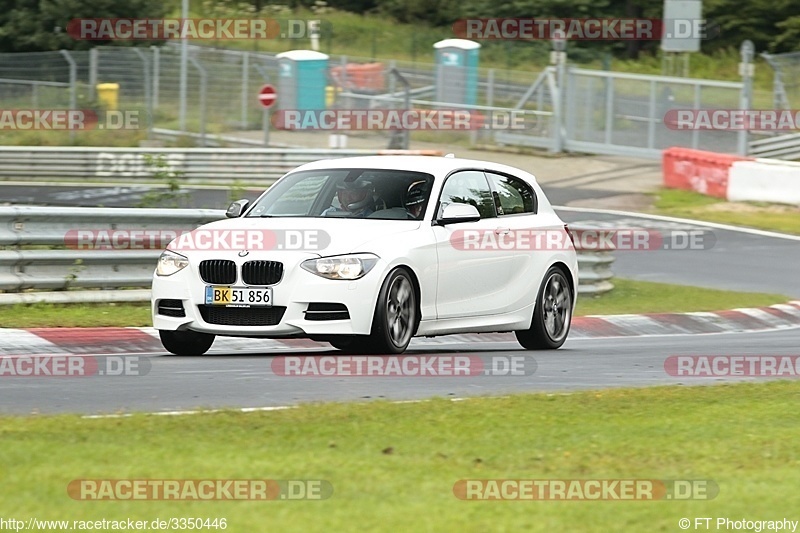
(267, 95)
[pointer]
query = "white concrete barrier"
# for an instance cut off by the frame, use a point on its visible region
(764, 180)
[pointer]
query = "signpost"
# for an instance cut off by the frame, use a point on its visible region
(266, 97)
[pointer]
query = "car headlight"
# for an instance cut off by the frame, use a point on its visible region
(170, 263)
(341, 266)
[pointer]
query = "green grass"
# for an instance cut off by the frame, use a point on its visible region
(631, 296)
(121, 138)
(75, 315)
(393, 466)
(689, 204)
(628, 296)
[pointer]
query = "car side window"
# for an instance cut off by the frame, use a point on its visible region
(514, 194)
(469, 187)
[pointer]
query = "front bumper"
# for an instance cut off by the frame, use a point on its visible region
(295, 292)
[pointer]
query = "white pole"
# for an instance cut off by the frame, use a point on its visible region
(183, 71)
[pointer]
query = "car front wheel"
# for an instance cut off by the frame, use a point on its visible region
(186, 342)
(395, 317)
(551, 316)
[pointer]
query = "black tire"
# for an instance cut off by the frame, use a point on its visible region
(395, 320)
(552, 314)
(340, 343)
(351, 344)
(186, 342)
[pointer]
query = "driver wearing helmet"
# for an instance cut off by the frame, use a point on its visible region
(414, 200)
(355, 199)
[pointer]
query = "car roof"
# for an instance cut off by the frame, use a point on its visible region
(429, 164)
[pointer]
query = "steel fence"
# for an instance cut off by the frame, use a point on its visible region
(575, 109)
(623, 114)
(257, 166)
(786, 79)
(40, 251)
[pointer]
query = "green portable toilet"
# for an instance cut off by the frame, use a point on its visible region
(302, 79)
(457, 71)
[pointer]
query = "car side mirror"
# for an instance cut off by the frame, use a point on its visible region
(454, 213)
(236, 208)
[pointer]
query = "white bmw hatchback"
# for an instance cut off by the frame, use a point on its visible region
(366, 253)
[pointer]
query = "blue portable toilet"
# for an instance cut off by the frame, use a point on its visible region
(457, 71)
(302, 79)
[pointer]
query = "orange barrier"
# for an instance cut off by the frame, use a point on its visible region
(696, 170)
(360, 76)
(411, 152)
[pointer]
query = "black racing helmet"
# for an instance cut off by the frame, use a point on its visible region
(415, 194)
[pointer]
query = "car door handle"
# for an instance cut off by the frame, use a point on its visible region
(502, 231)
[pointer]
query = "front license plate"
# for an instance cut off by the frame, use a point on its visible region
(239, 296)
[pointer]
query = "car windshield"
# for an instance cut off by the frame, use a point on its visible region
(348, 193)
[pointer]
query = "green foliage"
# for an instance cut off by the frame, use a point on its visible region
(27, 26)
(772, 26)
(169, 196)
(237, 191)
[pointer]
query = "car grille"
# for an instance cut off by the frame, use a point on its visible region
(327, 311)
(171, 308)
(241, 316)
(262, 272)
(221, 271)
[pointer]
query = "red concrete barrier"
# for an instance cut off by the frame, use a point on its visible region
(696, 170)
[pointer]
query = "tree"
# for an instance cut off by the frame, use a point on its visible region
(31, 26)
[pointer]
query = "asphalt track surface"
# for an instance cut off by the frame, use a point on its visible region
(733, 260)
(246, 379)
(738, 261)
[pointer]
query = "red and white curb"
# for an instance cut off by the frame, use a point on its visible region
(93, 341)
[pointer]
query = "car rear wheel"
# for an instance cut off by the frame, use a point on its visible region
(552, 314)
(186, 342)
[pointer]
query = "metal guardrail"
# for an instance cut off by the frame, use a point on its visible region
(56, 266)
(779, 147)
(208, 165)
(53, 266)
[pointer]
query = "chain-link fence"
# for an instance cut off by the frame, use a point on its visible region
(628, 110)
(222, 85)
(786, 81)
(34, 80)
(594, 111)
